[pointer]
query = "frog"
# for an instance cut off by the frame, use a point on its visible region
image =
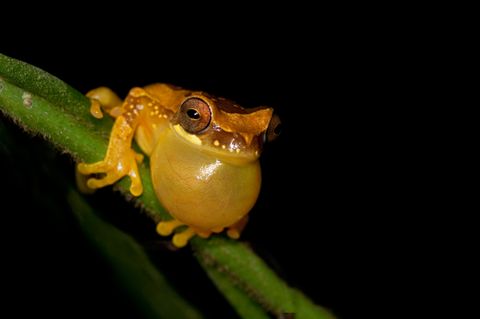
(204, 155)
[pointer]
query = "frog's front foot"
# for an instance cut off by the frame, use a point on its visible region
(114, 167)
(166, 228)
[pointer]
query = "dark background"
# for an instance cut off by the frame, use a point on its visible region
(321, 213)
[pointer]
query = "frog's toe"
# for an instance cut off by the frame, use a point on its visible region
(97, 168)
(81, 181)
(203, 233)
(136, 187)
(181, 239)
(236, 229)
(233, 233)
(87, 169)
(109, 179)
(165, 228)
(95, 108)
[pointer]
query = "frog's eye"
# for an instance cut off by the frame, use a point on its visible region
(274, 128)
(194, 115)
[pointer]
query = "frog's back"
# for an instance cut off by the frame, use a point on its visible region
(168, 95)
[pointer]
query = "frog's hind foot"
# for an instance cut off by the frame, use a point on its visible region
(236, 229)
(180, 239)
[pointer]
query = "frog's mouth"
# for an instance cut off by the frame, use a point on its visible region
(229, 152)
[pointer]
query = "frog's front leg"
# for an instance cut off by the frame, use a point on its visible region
(120, 159)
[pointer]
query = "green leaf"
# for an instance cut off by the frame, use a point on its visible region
(131, 266)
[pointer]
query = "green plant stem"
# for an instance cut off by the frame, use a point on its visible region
(68, 125)
(250, 273)
(245, 306)
(44, 85)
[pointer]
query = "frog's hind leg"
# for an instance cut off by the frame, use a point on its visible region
(236, 229)
(104, 98)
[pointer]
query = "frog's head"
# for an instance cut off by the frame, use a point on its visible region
(220, 126)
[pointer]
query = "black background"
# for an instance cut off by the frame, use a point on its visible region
(321, 213)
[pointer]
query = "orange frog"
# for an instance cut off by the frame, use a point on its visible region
(203, 154)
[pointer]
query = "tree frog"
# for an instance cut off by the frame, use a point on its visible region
(203, 151)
